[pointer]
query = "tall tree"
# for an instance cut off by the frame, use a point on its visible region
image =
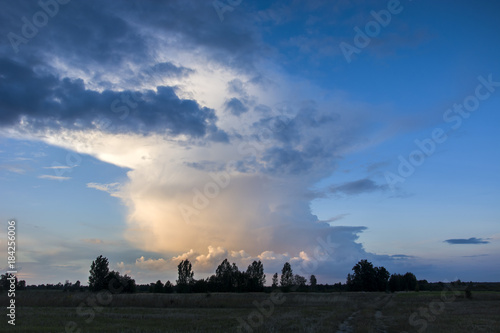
(382, 277)
(185, 279)
(227, 276)
(98, 274)
(256, 277)
(275, 280)
(364, 277)
(313, 282)
(286, 276)
(410, 281)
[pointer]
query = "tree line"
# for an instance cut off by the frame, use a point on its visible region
(366, 277)
(228, 278)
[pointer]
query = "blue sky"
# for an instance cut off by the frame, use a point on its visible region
(151, 133)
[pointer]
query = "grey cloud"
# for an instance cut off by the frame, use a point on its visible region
(358, 187)
(335, 218)
(236, 87)
(172, 70)
(472, 240)
(235, 106)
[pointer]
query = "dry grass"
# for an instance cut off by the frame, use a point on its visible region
(300, 312)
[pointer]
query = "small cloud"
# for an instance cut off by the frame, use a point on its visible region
(401, 256)
(476, 255)
(13, 168)
(358, 187)
(58, 167)
(472, 240)
(53, 177)
(153, 264)
(335, 218)
(112, 188)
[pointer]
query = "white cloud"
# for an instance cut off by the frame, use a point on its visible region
(53, 177)
(112, 188)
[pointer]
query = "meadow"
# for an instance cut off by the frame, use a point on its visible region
(445, 311)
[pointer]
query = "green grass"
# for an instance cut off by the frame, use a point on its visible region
(300, 312)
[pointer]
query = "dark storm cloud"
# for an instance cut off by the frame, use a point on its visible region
(472, 240)
(46, 100)
(115, 32)
(358, 187)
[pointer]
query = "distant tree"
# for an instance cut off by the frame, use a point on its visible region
(185, 279)
(275, 280)
(117, 283)
(313, 282)
(228, 276)
(158, 288)
(299, 280)
(256, 277)
(410, 281)
(382, 277)
(286, 276)
(365, 277)
(168, 288)
(98, 273)
(423, 285)
(396, 282)
(21, 285)
(5, 282)
(67, 286)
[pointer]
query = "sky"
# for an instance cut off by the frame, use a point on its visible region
(314, 132)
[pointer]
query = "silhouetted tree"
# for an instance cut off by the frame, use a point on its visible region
(185, 279)
(117, 283)
(98, 273)
(158, 288)
(382, 276)
(168, 288)
(228, 276)
(365, 277)
(313, 282)
(286, 276)
(399, 282)
(255, 276)
(5, 282)
(275, 280)
(299, 280)
(396, 282)
(410, 281)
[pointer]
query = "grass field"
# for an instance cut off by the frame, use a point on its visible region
(55, 311)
